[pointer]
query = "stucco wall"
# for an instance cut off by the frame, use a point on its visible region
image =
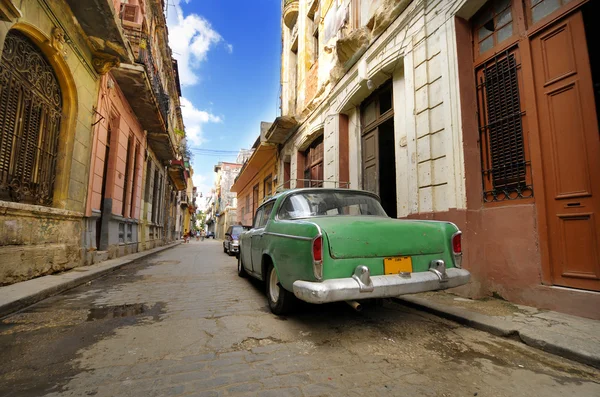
(35, 240)
(244, 215)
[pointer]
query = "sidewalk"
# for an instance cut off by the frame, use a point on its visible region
(575, 338)
(17, 296)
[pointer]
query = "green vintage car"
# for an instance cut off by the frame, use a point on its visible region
(328, 245)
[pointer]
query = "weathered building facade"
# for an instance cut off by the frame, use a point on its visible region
(50, 72)
(457, 110)
(90, 133)
(135, 161)
(257, 178)
(226, 200)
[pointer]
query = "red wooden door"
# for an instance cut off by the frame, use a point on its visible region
(570, 152)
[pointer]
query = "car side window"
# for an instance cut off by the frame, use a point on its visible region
(257, 218)
(266, 214)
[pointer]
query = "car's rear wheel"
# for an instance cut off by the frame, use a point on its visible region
(281, 301)
(241, 271)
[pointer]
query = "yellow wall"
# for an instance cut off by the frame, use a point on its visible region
(244, 215)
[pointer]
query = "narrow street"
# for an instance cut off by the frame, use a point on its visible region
(182, 323)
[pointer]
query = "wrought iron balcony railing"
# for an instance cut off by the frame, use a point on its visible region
(143, 54)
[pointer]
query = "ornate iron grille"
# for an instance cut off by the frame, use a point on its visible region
(146, 57)
(30, 116)
(504, 165)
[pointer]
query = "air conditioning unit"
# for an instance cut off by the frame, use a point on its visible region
(129, 12)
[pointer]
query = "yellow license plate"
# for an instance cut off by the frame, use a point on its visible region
(397, 265)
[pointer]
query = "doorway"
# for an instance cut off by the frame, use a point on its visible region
(378, 148)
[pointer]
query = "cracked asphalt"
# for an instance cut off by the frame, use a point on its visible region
(182, 323)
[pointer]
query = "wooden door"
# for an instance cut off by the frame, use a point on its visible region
(570, 152)
(370, 161)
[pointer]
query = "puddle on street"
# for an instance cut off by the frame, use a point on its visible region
(121, 311)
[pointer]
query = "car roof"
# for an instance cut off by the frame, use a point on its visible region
(289, 192)
(321, 189)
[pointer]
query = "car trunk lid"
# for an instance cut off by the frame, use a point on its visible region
(370, 236)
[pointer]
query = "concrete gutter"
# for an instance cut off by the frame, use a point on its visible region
(575, 338)
(17, 296)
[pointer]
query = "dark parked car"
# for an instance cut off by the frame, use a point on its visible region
(231, 244)
(210, 234)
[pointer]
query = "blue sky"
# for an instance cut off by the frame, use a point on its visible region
(228, 54)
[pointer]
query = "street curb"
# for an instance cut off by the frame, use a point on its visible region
(44, 287)
(504, 328)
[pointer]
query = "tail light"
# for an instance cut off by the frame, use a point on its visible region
(317, 254)
(457, 249)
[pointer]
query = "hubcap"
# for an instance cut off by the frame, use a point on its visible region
(273, 287)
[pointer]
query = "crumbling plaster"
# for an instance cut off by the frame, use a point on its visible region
(430, 175)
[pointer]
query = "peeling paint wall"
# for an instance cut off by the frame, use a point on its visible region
(36, 240)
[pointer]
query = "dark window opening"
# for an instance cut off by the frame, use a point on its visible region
(126, 179)
(591, 10)
(385, 101)
(492, 25)
(134, 188)
(268, 186)
(155, 198)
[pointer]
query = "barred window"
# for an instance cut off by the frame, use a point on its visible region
(505, 162)
(30, 116)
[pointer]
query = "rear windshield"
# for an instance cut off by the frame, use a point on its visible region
(327, 203)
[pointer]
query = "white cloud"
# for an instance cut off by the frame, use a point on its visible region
(193, 119)
(200, 183)
(190, 38)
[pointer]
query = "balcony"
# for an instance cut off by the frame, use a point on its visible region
(178, 174)
(184, 200)
(100, 23)
(143, 88)
(290, 13)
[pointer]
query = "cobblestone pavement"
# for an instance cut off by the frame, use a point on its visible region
(182, 323)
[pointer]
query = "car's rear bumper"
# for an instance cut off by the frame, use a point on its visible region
(364, 286)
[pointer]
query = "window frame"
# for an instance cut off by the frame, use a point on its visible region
(502, 191)
(31, 152)
(268, 180)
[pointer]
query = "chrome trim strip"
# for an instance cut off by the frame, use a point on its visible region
(343, 289)
(289, 236)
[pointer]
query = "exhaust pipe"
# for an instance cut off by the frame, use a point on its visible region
(355, 305)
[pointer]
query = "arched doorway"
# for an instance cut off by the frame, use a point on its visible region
(30, 118)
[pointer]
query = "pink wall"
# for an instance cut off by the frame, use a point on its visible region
(114, 108)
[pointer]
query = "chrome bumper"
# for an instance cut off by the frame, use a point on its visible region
(362, 286)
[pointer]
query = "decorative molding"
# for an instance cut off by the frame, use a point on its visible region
(57, 42)
(103, 62)
(8, 11)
